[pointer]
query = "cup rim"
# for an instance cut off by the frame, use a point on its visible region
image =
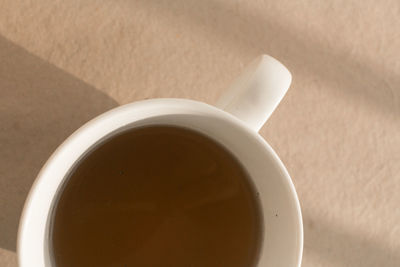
(179, 105)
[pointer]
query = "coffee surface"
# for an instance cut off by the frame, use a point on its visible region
(157, 196)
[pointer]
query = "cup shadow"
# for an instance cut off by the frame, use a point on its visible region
(40, 106)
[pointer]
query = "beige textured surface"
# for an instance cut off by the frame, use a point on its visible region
(337, 130)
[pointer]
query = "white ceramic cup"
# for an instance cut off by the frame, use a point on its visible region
(234, 123)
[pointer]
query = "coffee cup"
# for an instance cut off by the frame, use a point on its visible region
(233, 122)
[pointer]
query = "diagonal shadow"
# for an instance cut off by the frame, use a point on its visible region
(40, 105)
(253, 32)
(345, 248)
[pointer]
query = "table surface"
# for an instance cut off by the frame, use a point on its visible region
(337, 130)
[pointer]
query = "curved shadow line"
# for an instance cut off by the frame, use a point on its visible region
(245, 29)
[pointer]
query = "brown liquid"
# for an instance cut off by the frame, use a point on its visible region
(157, 196)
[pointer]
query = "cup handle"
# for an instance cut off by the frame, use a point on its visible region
(257, 91)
